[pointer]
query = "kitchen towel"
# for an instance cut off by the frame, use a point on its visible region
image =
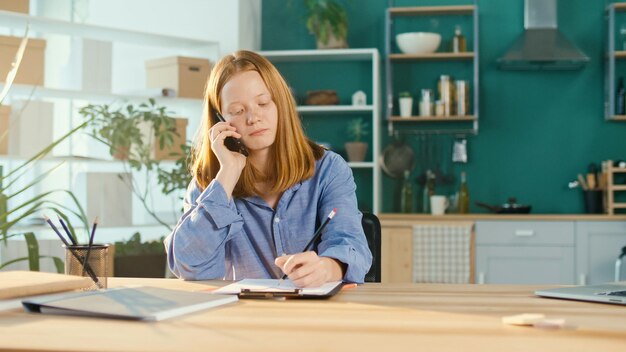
(443, 253)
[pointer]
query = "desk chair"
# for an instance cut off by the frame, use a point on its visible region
(371, 227)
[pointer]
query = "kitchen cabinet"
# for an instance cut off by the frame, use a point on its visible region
(413, 72)
(525, 252)
(363, 64)
(598, 243)
(614, 59)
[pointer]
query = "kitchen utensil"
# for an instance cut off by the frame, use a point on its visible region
(396, 158)
(511, 207)
(459, 152)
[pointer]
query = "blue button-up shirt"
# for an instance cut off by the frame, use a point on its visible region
(216, 238)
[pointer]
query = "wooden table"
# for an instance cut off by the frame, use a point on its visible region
(371, 317)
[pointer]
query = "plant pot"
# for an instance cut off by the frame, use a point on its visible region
(356, 151)
(140, 265)
(406, 107)
(333, 42)
(121, 153)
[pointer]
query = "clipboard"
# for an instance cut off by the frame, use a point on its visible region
(278, 289)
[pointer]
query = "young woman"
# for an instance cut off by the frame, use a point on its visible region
(251, 217)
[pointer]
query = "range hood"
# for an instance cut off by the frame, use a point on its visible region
(542, 46)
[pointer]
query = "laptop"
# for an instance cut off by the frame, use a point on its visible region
(614, 293)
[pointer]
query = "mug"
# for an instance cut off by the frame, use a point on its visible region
(438, 205)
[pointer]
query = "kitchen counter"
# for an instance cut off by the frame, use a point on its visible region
(397, 218)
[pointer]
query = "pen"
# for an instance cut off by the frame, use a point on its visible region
(317, 234)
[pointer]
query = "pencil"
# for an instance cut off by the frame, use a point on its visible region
(67, 231)
(93, 232)
(317, 234)
(72, 251)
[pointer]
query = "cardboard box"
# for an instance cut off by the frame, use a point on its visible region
(185, 75)
(164, 154)
(31, 69)
(5, 112)
(109, 198)
(15, 5)
(31, 128)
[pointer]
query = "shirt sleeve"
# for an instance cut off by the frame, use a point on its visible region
(343, 238)
(196, 247)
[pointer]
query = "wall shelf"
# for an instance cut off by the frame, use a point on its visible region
(432, 10)
(54, 26)
(433, 56)
(320, 109)
(37, 92)
(432, 118)
(395, 58)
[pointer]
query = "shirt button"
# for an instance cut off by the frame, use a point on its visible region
(277, 219)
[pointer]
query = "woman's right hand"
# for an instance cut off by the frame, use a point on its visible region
(231, 163)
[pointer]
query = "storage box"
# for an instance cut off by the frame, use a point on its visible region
(31, 69)
(31, 127)
(5, 112)
(164, 154)
(185, 75)
(15, 5)
(109, 198)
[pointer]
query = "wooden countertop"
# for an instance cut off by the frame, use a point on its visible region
(370, 317)
(399, 219)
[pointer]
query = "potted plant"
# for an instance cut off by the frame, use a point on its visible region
(357, 149)
(328, 22)
(406, 104)
(134, 258)
(130, 133)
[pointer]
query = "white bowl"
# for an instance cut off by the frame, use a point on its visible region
(418, 42)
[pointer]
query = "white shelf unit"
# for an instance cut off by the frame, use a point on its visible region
(356, 55)
(72, 99)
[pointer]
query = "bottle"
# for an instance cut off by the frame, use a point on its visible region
(458, 42)
(464, 200)
(619, 98)
(406, 195)
(429, 190)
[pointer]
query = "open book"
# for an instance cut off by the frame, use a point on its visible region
(268, 288)
(135, 303)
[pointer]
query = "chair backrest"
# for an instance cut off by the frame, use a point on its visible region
(371, 227)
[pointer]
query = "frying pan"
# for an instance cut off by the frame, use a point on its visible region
(511, 207)
(396, 158)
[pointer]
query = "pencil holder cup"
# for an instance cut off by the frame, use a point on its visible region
(97, 266)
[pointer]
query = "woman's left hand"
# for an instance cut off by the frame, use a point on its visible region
(310, 270)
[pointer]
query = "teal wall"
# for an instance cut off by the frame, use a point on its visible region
(538, 129)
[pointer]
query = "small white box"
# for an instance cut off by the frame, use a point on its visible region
(109, 197)
(31, 127)
(97, 66)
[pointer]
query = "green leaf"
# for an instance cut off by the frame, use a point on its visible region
(33, 251)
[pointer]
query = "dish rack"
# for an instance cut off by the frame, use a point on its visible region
(609, 171)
